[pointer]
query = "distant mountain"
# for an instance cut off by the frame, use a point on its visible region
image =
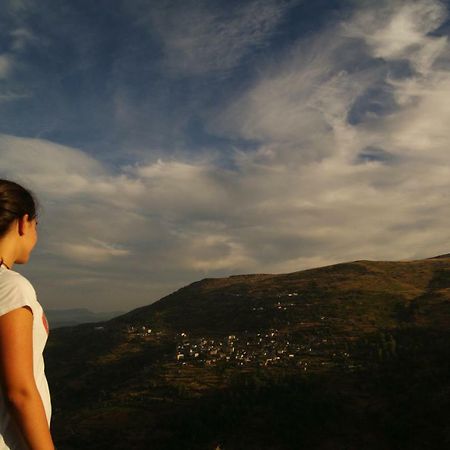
(352, 355)
(69, 317)
(358, 296)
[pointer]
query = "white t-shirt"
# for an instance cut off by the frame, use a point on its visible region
(16, 291)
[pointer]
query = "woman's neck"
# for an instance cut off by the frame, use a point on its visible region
(3, 263)
(7, 253)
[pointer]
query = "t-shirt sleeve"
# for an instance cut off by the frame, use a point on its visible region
(14, 294)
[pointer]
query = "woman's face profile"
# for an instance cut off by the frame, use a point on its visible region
(29, 238)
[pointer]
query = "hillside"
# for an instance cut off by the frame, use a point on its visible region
(197, 368)
(366, 294)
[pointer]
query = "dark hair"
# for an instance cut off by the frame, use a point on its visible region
(15, 202)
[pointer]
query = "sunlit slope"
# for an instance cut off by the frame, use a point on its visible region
(363, 294)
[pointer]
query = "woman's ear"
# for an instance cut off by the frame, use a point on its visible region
(22, 224)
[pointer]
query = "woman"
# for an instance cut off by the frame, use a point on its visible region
(25, 407)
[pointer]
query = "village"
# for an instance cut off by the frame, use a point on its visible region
(269, 348)
(313, 347)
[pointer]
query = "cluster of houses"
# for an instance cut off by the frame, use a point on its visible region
(262, 349)
(269, 348)
(253, 350)
(142, 330)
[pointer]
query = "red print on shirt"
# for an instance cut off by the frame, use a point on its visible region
(44, 321)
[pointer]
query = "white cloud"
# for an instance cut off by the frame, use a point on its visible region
(399, 30)
(211, 252)
(298, 107)
(201, 37)
(9, 62)
(64, 172)
(182, 189)
(87, 212)
(91, 253)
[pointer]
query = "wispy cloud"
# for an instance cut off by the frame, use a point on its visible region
(14, 45)
(310, 153)
(6, 63)
(21, 38)
(400, 30)
(93, 252)
(199, 37)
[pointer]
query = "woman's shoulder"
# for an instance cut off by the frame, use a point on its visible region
(14, 282)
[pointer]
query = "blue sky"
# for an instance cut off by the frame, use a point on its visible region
(170, 141)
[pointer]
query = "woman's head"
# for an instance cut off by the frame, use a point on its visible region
(18, 214)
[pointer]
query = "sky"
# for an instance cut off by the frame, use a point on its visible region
(170, 141)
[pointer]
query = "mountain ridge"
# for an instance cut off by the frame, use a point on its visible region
(407, 279)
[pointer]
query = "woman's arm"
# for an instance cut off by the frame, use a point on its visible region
(17, 378)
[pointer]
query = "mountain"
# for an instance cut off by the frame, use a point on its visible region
(69, 317)
(352, 355)
(361, 295)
